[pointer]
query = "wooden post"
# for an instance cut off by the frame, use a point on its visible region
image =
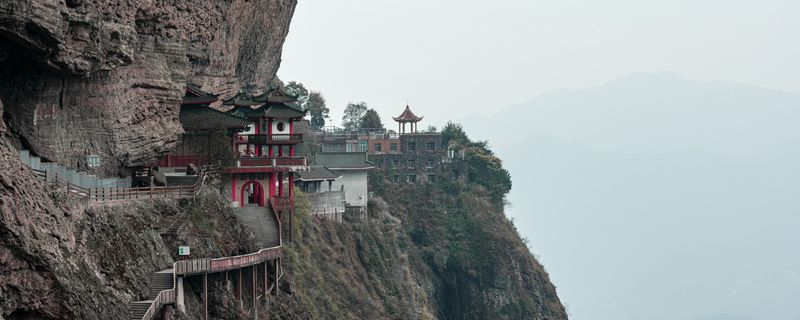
(205, 296)
(239, 288)
(255, 291)
(277, 265)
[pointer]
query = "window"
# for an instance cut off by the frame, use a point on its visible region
(93, 160)
(393, 146)
(412, 146)
(430, 163)
(412, 178)
(431, 178)
(377, 147)
(411, 163)
(395, 163)
(363, 146)
(280, 126)
(396, 179)
(430, 146)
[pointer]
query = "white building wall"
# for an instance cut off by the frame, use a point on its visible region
(355, 186)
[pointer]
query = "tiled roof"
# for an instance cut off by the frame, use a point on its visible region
(241, 99)
(407, 116)
(317, 173)
(208, 118)
(276, 95)
(276, 110)
(194, 95)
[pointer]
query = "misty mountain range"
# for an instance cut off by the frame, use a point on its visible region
(658, 197)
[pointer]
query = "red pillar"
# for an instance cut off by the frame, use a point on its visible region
(233, 188)
(291, 185)
(280, 184)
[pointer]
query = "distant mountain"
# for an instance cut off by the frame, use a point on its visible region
(651, 113)
(724, 317)
(657, 197)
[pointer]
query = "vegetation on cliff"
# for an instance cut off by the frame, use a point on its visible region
(439, 250)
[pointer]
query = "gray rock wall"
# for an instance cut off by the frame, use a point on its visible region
(104, 77)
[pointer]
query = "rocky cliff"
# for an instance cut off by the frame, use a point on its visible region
(106, 77)
(436, 251)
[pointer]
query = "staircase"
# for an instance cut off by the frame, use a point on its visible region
(159, 281)
(260, 221)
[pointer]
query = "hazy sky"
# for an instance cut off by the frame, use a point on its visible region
(453, 58)
(450, 58)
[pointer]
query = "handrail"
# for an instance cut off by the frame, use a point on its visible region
(205, 265)
(112, 194)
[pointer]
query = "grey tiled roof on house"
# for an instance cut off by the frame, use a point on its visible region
(344, 160)
(317, 173)
(196, 96)
(199, 118)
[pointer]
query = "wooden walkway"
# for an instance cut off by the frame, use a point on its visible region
(120, 194)
(147, 309)
(164, 288)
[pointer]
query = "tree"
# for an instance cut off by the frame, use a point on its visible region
(353, 113)
(371, 121)
(317, 110)
(297, 89)
(311, 101)
(483, 166)
(453, 135)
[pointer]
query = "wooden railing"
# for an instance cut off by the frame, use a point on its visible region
(212, 265)
(112, 194)
(60, 182)
(272, 162)
(163, 298)
(125, 194)
(269, 138)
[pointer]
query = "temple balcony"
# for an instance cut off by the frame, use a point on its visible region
(273, 139)
(271, 161)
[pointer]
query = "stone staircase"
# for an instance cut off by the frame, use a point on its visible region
(260, 221)
(159, 281)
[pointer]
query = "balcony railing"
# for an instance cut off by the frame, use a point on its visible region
(270, 138)
(272, 162)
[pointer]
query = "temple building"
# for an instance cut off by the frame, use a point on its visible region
(265, 151)
(253, 145)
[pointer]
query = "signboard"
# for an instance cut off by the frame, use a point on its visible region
(183, 250)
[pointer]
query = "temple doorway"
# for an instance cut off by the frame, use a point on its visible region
(252, 194)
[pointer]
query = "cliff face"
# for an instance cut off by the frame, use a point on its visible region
(436, 251)
(106, 77)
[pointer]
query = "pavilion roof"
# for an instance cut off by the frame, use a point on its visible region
(209, 119)
(241, 99)
(407, 116)
(275, 110)
(196, 96)
(276, 95)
